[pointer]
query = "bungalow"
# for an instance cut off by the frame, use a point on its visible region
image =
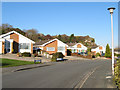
(99, 49)
(14, 42)
(78, 48)
(53, 46)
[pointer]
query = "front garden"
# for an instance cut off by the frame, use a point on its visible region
(11, 62)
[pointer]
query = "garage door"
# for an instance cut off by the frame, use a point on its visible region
(0, 47)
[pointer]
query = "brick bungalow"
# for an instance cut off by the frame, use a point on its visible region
(99, 49)
(54, 46)
(78, 48)
(14, 42)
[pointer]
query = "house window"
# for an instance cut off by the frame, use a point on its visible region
(61, 48)
(24, 45)
(50, 49)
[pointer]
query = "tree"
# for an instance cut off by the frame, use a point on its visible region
(59, 37)
(47, 37)
(107, 52)
(93, 40)
(89, 49)
(72, 38)
(32, 34)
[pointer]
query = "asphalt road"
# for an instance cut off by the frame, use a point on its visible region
(68, 74)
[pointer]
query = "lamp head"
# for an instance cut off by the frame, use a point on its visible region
(111, 10)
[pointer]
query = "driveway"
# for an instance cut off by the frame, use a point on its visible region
(68, 74)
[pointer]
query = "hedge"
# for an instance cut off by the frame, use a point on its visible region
(117, 73)
(56, 55)
(26, 54)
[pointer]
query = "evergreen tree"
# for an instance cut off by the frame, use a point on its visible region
(59, 37)
(107, 52)
(72, 38)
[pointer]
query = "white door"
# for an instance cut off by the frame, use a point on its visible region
(0, 47)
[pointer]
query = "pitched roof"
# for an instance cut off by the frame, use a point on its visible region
(52, 41)
(42, 42)
(71, 44)
(6, 34)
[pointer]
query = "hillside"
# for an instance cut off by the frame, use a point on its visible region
(40, 38)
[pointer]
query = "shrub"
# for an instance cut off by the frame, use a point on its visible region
(69, 51)
(117, 74)
(19, 54)
(93, 56)
(74, 54)
(108, 52)
(35, 54)
(97, 54)
(57, 55)
(118, 55)
(26, 54)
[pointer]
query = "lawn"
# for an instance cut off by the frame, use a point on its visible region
(11, 62)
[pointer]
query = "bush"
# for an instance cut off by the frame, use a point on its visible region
(117, 74)
(97, 54)
(35, 54)
(74, 54)
(108, 52)
(57, 55)
(93, 56)
(19, 54)
(26, 54)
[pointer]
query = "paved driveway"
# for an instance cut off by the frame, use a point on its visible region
(68, 74)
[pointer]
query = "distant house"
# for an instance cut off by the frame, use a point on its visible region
(14, 42)
(99, 49)
(78, 48)
(53, 46)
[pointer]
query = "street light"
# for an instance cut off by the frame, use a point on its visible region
(111, 12)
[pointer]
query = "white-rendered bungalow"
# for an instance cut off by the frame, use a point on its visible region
(54, 46)
(78, 48)
(99, 49)
(15, 42)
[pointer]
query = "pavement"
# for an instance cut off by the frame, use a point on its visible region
(67, 74)
(24, 67)
(14, 56)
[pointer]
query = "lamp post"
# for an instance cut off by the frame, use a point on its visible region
(111, 12)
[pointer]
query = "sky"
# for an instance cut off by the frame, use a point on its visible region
(78, 18)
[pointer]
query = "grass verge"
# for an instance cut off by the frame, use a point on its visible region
(11, 62)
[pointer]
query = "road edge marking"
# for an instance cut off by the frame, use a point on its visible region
(81, 83)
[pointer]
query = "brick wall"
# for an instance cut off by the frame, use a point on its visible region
(3, 47)
(52, 44)
(15, 38)
(78, 46)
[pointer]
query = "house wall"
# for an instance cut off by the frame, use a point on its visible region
(79, 46)
(3, 46)
(61, 44)
(24, 40)
(98, 50)
(52, 44)
(31, 48)
(15, 38)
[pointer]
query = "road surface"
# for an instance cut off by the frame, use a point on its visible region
(67, 74)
